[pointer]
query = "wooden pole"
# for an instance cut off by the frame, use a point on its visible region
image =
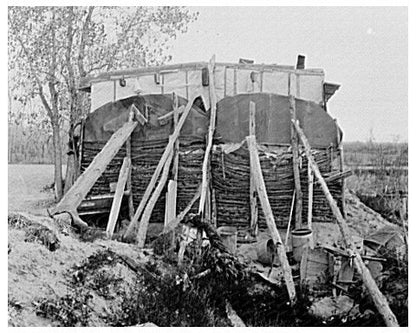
(86, 181)
(341, 168)
(268, 213)
(310, 195)
(144, 222)
(253, 194)
(173, 223)
(211, 130)
(129, 186)
(118, 196)
(296, 173)
(290, 218)
(376, 295)
(158, 170)
(170, 207)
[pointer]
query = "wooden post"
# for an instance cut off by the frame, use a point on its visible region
(376, 295)
(85, 182)
(211, 130)
(253, 194)
(173, 223)
(341, 168)
(118, 196)
(158, 170)
(296, 174)
(290, 218)
(213, 208)
(170, 207)
(129, 186)
(268, 213)
(144, 222)
(310, 195)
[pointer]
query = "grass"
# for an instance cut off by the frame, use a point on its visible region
(383, 187)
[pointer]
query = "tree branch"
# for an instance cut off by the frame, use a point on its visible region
(84, 32)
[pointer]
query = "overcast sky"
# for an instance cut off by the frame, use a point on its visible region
(362, 48)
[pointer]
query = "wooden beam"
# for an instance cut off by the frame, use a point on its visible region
(170, 207)
(211, 130)
(158, 170)
(310, 195)
(86, 181)
(174, 223)
(290, 218)
(118, 196)
(253, 193)
(376, 295)
(129, 187)
(268, 213)
(296, 173)
(341, 168)
(144, 222)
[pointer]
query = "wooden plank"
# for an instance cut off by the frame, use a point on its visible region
(341, 168)
(290, 218)
(173, 223)
(118, 196)
(310, 196)
(296, 174)
(85, 182)
(158, 170)
(268, 213)
(170, 207)
(253, 194)
(144, 222)
(128, 185)
(211, 130)
(213, 208)
(378, 298)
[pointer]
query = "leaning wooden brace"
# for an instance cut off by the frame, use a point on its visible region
(378, 298)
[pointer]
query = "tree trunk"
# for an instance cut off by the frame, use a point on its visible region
(57, 155)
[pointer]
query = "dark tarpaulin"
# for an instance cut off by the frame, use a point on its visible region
(273, 120)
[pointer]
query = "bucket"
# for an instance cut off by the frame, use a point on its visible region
(265, 250)
(301, 238)
(229, 237)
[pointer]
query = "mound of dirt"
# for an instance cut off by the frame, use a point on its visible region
(37, 274)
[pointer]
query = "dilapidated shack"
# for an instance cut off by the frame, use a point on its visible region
(152, 91)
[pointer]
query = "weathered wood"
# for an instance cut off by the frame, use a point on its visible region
(296, 174)
(268, 213)
(290, 218)
(211, 130)
(158, 170)
(253, 195)
(174, 223)
(170, 207)
(376, 295)
(118, 196)
(341, 167)
(85, 182)
(144, 222)
(310, 195)
(213, 208)
(129, 185)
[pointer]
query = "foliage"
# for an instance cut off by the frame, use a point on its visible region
(52, 48)
(70, 310)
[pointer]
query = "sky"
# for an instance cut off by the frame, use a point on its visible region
(365, 49)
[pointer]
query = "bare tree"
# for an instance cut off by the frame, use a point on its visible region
(52, 48)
